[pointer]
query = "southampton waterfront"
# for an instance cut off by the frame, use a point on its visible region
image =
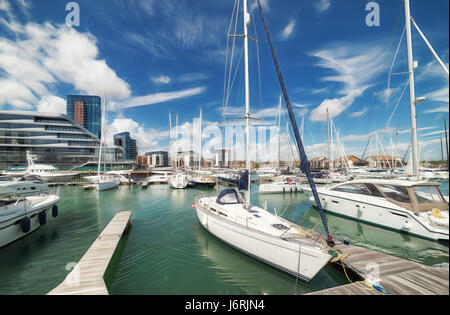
(168, 252)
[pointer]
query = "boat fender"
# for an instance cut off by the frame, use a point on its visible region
(311, 199)
(26, 225)
(55, 211)
(42, 218)
(436, 213)
(407, 225)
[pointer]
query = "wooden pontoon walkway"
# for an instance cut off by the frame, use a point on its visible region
(87, 277)
(398, 276)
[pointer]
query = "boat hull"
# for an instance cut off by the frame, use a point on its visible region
(102, 186)
(378, 214)
(289, 257)
(275, 188)
(11, 227)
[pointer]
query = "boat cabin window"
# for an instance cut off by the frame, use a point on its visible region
(397, 193)
(427, 194)
(354, 189)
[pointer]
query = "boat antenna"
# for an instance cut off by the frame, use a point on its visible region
(305, 167)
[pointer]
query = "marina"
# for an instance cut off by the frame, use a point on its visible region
(98, 197)
(166, 243)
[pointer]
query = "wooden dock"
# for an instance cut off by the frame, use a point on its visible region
(398, 276)
(87, 276)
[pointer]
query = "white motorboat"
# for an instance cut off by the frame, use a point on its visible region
(253, 230)
(25, 186)
(417, 208)
(159, 177)
(47, 173)
(179, 181)
(20, 216)
(280, 186)
(123, 176)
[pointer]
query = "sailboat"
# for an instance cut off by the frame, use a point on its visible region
(412, 207)
(104, 182)
(281, 184)
(254, 231)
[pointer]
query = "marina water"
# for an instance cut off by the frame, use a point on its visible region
(168, 252)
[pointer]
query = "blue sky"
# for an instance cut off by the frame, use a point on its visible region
(154, 57)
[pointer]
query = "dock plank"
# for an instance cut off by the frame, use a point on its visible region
(87, 277)
(398, 276)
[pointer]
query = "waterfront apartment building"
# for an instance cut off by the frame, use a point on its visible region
(222, 157)
(128, 144)
(54, 139)
(158, 158)
(86, 110)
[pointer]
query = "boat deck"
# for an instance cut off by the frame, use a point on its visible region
(398, 276)
(87, 277)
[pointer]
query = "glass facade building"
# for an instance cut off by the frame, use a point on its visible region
(86, 110)
(53, 138)
(129, 145)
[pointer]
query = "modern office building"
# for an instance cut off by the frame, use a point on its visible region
(129, 145)
(53, 138)
(86, 110)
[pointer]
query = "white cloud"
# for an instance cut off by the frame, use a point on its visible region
(441, 109)
(163, 79)
(41, 56)
(52, 104)
(287, 32)
(359, 113)
(441, 95)
(323, 5)
(356, 72)
(155, 98)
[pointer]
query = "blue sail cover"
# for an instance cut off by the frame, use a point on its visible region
(242, 182)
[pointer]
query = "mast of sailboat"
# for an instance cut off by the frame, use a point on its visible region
(329, 143)
(305, 166)
(101, 138)
(170, 140)
(446, 139)
(247, 104)
(279, 134)
(415, 148)
(201, 131)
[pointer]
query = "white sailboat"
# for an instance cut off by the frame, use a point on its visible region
(104, 182)
(280, 184)
(253, 230)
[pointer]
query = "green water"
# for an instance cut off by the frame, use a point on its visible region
(168, 252)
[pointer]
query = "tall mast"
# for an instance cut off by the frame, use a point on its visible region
(170, 140)
(247, 103)
(279, 133)
(415, 149)
(201, 131)
(446, 139)
(101, 136)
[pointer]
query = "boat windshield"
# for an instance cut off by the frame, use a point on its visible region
(396, 193)
(354, 189)
(427, 194)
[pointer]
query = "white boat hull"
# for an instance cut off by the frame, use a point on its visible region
(379, 213)
(284, 255)
(279, 188)
(10, 223)
(106, 185)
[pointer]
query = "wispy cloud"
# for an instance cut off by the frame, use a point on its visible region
(287, 31)
(163, 79)
(358, 113)
(323, 5)
(155, 98)
(356, 72)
